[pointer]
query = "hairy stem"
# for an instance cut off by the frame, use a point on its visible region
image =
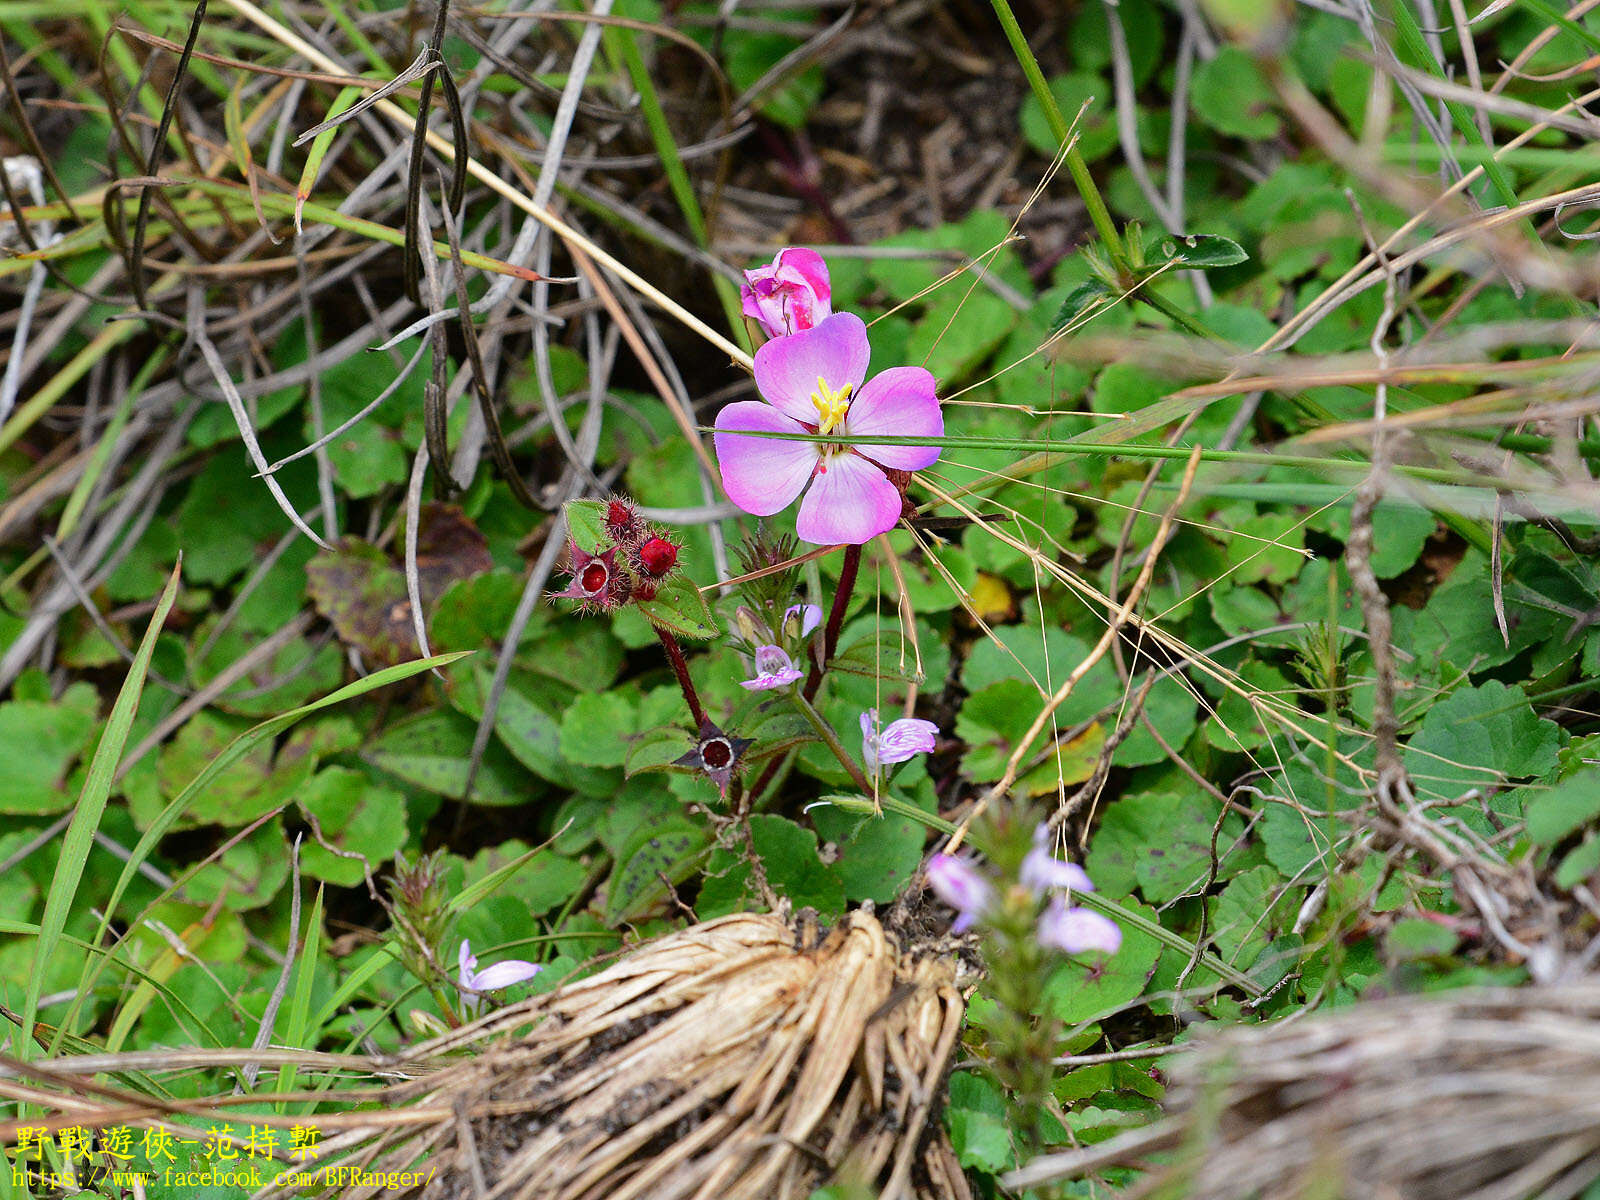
(830, 636)
(680, 668)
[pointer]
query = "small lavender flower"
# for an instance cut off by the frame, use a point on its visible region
(1076, 930)
(1042, 871)
(903, 739)
(801, 619)
(960, 885)
(774, 669)
(473, 982)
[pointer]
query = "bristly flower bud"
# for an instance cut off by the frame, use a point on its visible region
(657, 557)
(596, 582)
(716, 754)
(623, 522)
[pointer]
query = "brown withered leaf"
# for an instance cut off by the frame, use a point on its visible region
(449, 548)
(363, 595)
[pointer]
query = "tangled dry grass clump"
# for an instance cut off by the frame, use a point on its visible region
(745, 1058)
(1493, 1095)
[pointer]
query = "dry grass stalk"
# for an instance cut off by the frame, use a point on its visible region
(1486, 1096)
(749, 1056)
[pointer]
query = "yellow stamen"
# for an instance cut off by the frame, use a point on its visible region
(831, 406)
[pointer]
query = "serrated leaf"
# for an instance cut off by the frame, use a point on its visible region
(1082, 301)
(655, 750)
(680, 608)
(586, 525)
(661, 853)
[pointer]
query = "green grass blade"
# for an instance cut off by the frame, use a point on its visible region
(91, 805)
(235, 750)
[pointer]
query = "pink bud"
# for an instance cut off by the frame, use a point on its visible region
(791, 295)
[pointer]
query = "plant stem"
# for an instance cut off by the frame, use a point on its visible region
(1092, 200)
(830, 636)
(680, 668)
(825, 731)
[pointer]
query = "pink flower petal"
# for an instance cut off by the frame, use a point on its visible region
(761, 475)
(787, 368)
(852, 501)
(504, 974)
(899, 402)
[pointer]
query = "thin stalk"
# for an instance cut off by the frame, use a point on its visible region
(680, 668)
(1099, 214)
(826, 733)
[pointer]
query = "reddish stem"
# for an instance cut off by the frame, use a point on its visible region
(830, 636)
(680, 668)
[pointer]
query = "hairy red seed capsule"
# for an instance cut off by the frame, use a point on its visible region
(594, 576)
(658, 556)
(622, 519)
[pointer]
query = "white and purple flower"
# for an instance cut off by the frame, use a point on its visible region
(903, 739)
(774, 669)
(815, 382)
(959, 883)
(473, 982)
(1077, 930)
(1042, 871)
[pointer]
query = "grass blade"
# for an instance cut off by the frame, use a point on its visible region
(91, 805)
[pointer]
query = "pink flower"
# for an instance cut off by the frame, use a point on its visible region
(791, 295)
(1077, 930)
(502, 974)
(774, 669)
(812, 382)
(905, 738)
(960, 885)
(1042, 871)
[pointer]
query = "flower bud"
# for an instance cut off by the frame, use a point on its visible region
(791, 295)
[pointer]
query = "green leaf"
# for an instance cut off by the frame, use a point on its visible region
(1414, 937)
(1580, 863)
(655, 749)
(1197, 251)
(586, 525)
(1551, 815)
(1159, 840)
(679, 608)
(1478, 738)
(1251, 911)
(664, 852)
(1230, 95)
(432, 751)
(793, 867)
(356, 817)
(39, 741)
(1083, 301)
(541, 880)
(595, 727)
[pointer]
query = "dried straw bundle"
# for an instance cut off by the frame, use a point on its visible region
(1483, 1096)
(745, 1057)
